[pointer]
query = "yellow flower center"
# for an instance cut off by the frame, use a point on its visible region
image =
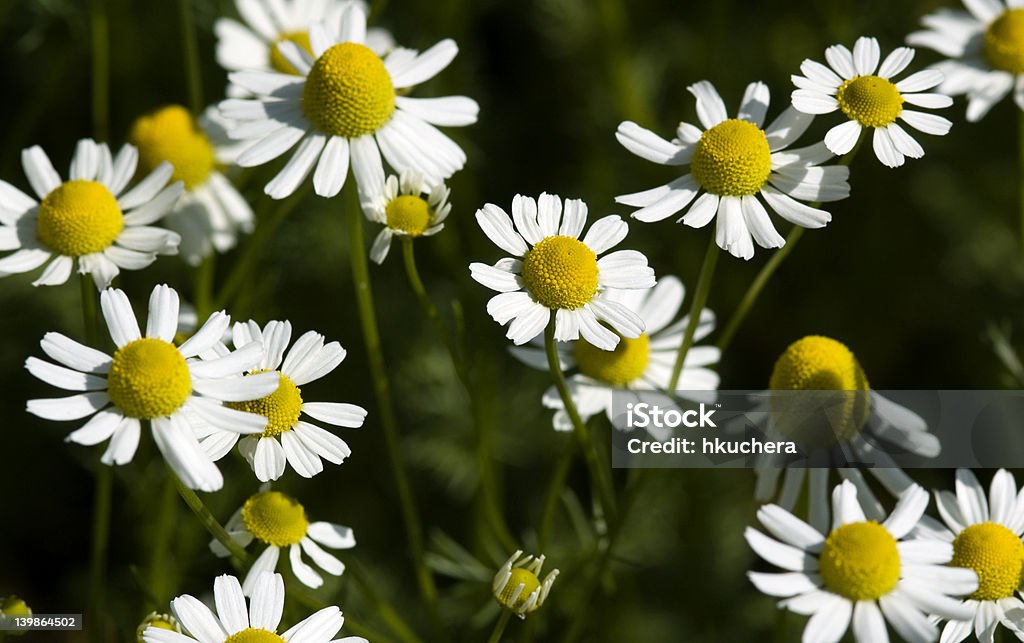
(254, 635)
(275, 518)
(279, 62)
(14, 606)
(409, 214)
(860, 561)
(1004, 42)
(79, 218)
(348, 92)
(732, 159)
(617, 367)
(148, 378)
(561, 272)
(870, 100)
(520, 576)
(996, 554)
(281, 408)
(171, 134)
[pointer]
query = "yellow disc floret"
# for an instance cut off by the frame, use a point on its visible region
(348, 91)
(860, 561)
(279, 62)
(618, 367)
(872, 101)
(254, 635)
(79, 218)
(520, 576)
(409, 214)
(732, 159)
(172, 134)
(996, 554)
(281, 408)
(148, 378)
(275, 518)
(817, 363)
(561, 272)
(1004, 42)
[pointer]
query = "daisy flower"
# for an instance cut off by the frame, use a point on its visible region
(346, 106)
(861, 422)
(90, 218)
(860, 570)
(731, 162)
(252, 43)
(517, 585)
(287, 438)
(985, 533)
(642, 363)
(234, 623)
(150, 379)
(986, 48)
(552, 273)
(212, 212)
(279, 521)
(408, 208)
(854, 84)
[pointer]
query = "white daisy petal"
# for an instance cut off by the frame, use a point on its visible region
(117, 311)
(971, 498)
(710, 106)
(830, 622)
(346, 415)
(65, 378)
(306, 574)
(68, 408)
(323, 560)
(426, 65)
(788, 584)
(332, 168)
(267, 603)
(606, 233)
(230, 602)
(868, 623)
(927, 123)
(39, 171)
(841, 60)
(334, 536)
(268, 460)
(123, 442)
(496, 224)
(264, 563)
(323, 443)
(866, 53)
(198, 619)
(896, 61)
(74, 355)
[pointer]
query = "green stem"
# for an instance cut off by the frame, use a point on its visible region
(193, 77)
(385, 408)
(413, 274)
(700, 298)
(598, 474)
(90, 310)
(553, 493)
(239, 557)
(618, 57)
(499, 627)
(166, 519)
(202, 280)
(100, 69)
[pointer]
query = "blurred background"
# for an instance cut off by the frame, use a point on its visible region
(912, 273)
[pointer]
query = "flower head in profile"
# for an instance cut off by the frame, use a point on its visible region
(407, 208)
(734, 164)
(860, 571)
(553, 273)
(92, 219)
(156, 620)
(854, 84)
(277, 521)
(211, 213)
(345, 107)
(517, 585)
(642, 363)
(175, 390)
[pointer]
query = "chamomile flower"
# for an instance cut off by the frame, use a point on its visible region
(211, 213)
(554, 273)
(517, 585)
(90, 219)
(861, 570)
(151, 380)
(860, 425)
(865, 93)
(408, 208)
(731, 163)
(346, 106)
(986, 536)
(287, 438)
(158, 621)
(234, 623)
(641, 363)
(986, 51)
(278, 521)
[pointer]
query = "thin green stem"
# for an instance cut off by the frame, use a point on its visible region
(193, 75)
(100, 69)
(90, 310)
(598, 474)
(499, 627)
(700, 298)
(618, 58)
(553, 493)
(413, 274)
(166, 519)
(385, 408)
(239, 556)
(202, 285)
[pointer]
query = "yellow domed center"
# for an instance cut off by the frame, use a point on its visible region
(870, 100)
(860, 561)
(171, 134)
(618, 367)
(279, 62)
(275, 518)
(561, 272)
(996, 554)
(732, 159)
(348, 92)
(520, 576)
(281, 408)
(254, 635)
(79, 218)
(1004, 42)
(409, 214)
(148, 378)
